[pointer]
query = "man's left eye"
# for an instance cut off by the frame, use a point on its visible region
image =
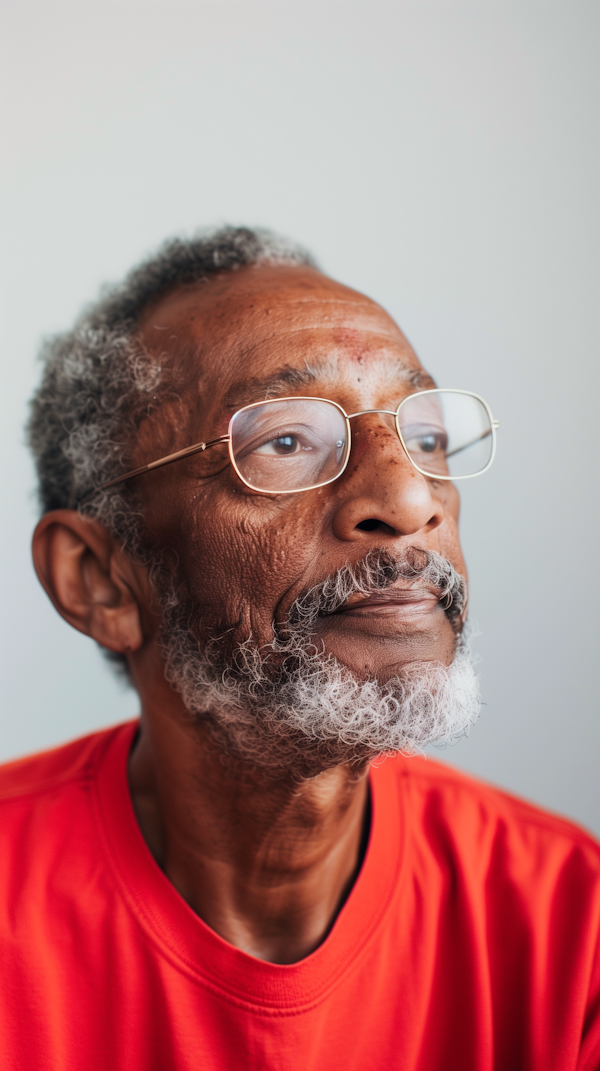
(425, 443)
(428, 443)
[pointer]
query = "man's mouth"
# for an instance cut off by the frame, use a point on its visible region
(400, 602)
(383, 595)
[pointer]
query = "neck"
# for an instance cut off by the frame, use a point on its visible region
(265, 863)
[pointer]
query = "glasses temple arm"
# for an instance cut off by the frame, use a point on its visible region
(197, 448)
(485, 434)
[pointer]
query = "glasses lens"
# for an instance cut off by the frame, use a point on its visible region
(290, 445)
(446, 433)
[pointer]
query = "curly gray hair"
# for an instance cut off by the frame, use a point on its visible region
(98, 382)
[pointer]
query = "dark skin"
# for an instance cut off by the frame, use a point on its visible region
(266, 862)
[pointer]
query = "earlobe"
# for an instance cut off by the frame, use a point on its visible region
(84, 573)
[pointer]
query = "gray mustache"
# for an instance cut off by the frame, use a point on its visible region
(376, 572)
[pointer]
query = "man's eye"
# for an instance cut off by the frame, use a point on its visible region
(428, 443)
(282, 446)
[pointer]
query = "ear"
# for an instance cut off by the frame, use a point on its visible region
(90, 579)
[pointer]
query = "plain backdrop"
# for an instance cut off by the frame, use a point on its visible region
(442, 157)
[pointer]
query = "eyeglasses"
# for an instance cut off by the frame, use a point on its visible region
(287, 445)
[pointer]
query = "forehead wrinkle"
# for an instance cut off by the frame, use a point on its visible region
(284, 295)
(190, 357)
(250, 348)
(265, 323)
(269, 328)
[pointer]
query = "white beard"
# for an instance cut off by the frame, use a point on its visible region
(289, 708)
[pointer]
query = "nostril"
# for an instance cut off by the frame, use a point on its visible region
(370, 524)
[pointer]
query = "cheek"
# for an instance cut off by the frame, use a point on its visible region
(239, 555)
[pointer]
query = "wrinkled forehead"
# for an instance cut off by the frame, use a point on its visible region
(247, 334)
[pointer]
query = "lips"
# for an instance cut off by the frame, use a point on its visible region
(383, 596)
(393, 601)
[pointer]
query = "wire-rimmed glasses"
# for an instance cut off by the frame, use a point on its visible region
(287, 445)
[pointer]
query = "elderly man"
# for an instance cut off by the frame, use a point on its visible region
(248, 486)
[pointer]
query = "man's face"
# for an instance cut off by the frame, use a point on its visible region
(245, 557)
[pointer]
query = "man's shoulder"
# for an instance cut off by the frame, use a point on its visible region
(475, 809)
(51, 771)
(52, 842)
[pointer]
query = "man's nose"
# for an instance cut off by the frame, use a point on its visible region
(381, 491)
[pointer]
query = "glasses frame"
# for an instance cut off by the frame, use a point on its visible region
(198, 448)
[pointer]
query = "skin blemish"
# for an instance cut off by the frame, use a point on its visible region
(351, 341)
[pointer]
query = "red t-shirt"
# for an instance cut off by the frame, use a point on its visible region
(469, 941)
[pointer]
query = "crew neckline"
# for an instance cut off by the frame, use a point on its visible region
(184, 939)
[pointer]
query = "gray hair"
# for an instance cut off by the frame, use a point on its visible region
(98, 382)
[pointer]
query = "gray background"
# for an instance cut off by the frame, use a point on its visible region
(442, 157)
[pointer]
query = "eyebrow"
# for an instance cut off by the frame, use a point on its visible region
(254, 389)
